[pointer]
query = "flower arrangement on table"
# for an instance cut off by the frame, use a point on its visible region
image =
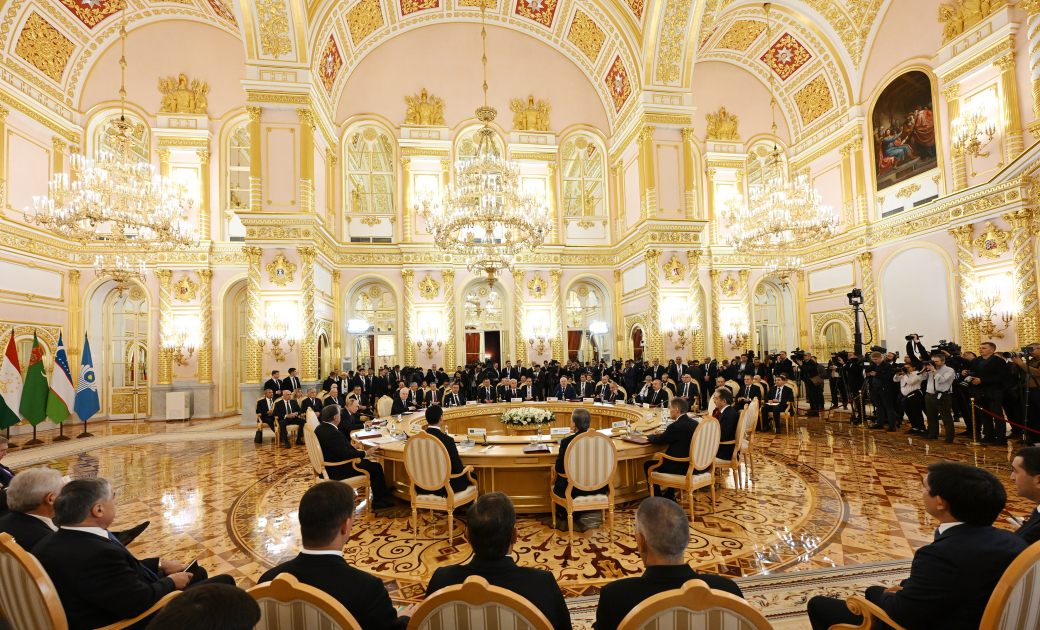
(524, 417)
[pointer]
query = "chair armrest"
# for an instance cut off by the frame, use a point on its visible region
(675, 459)
(872, 614)
(346, 461)
(657, 462)
(157, 606)
(727, 442)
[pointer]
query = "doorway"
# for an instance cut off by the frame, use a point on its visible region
(637, 344)
(484, 347)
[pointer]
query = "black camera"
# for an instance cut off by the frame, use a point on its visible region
(947, 346)
(965, 381)
(879, 349)
(798, 354)
(911, 337)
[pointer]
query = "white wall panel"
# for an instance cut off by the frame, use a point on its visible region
(915, 298)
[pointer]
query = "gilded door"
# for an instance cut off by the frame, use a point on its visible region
(127, 349)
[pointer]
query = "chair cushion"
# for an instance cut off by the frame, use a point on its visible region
(680, 480)
(744, 445)
(723, 462)
(357, 481)
(592, 498)
(436, 499)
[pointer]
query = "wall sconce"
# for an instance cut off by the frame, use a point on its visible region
(737, 333)
(430, 335)
(541, 334)
(980, 315)
(275, 330)
(967, 131)
(680, 323)
(182, 342)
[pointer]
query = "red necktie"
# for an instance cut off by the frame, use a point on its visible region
(715, 414)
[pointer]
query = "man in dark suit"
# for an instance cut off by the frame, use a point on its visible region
(708, 376)
(265, 407)
(729, 418)
(491, 530)
(510, 372)
(333, 379)
(527, 390)
(687, 389)
(455, 398)
(433, 427)
(747, 393)
(783, 366)
(486, 393)
(274, 383)
(629, 376)
(662, 533)
(777, 401)
(677, 436)
(502, 390)
(98, 580)
(988, 390)
(656, 369)
(434, 396)
(31, 501)
(580, 422)
(336, 447)
(612, 395)
(564, 391)
(291, 382)
(311, 402)
(402, 403)
(326, 516)
(882, 392)
(287, 411)
(1025, 474)
(585, 388)
(349, 418)
(951, 580)
(656, 397)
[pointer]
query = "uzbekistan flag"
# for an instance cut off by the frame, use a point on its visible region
(62, 394)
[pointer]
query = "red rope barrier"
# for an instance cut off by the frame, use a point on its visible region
(1003, 419)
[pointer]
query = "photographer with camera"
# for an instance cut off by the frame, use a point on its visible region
(839, 397)
(1032, 368)
(882, 390)
(938, 400)
(910, 378)
(782, 365)
(851, 368)
(985, 380)
(812, 381)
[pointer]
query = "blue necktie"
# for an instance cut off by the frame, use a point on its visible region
(5, 476)
(147, 571)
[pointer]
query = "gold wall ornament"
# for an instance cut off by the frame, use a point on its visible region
(722, 125)
(281, 270)
(179, 97)
(586, 35)
(992, 242)
(530, 116)
(908, 190)
(429, 288)
(274, 27)
(961, 15)
(44, 47)
(363, 19)
(185, 290)
(741, 35)
(674, 270)
(813, 100)
(728, 286)
(424, 109)
(537, 287)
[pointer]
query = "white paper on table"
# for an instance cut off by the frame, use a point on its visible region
(516, 400)
(487, 449)
(551, 399)
(378, 441)
(470, 402)
(618, 424)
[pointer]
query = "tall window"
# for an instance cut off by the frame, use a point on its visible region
(370, 171)
(127, 347)
(238, 170)
(374, 305)
(582, 178)
(835, 339)
(466, 145)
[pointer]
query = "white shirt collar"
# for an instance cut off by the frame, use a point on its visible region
(322, 552)
(945, 526)
(50, 523)
(97, 531)
(431, 426)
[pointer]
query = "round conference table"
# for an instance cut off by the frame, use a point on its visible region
(502, 465)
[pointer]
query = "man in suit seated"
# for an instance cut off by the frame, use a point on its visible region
(656, 397)
(275, 383)
(603, 385)
(402, 403)
(502, 391)
(491, 531)
(486, 393)
(311, 402)
(688, 389)
(747, 393)
(527, 390)
(326, 516)
(287, 411)
(512, 392)
(662, 534)
(613, 394)
(349, 418)
(580, 422)
(31, 501)
(583, 388)
(677, 436)
(363, 400)
(265, 407)
(455, 398)
(778, 399)
(434, 396)
(209, 607)
(433, 427)
(564, 391)
(668, 384)
(98, 580)
(336, 447)
(415, 397)
(951, 580)
(729, 418)
(644, 391)
(1025, 474)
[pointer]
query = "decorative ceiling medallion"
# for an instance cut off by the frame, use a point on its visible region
(537, 286)
(813, 100)
(786, 56)
(91, 12)
(411, 6)
(586, 35)
(363, 19)
(540, 11)
(281, 270)
(185, 290)
(992, 242)
(330, 64)
(674, 270)
(637, 8)
(222, 10)
(741, 35)
(618, 83)
(44, 47)
(429, 288)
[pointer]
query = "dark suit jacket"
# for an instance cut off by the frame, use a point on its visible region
(585, 390)
(608, 396)
(449, 399)
(363, 595)
(26, 529)
(291, 382)
(459, 483)
(283, 407)
(528, 391)
(750, 392)
(952, 579)
(786, 396)
(654, 398)
(728, 421)
(536, 586)
(274, 385)
(487, 394)
(564, 394)
(336, 447)
(261, 408)
(655, 371)
(560, 487)
(618, 598)
(429, 397)
(399, 407)
(991, 374)
(677, 436)
(315, 404)
(694, 390)
(99, 582)
(6, 475)
(1029, 532)
(348, 423)
(503, 393)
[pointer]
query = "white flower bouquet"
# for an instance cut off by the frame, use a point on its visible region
(523, 417)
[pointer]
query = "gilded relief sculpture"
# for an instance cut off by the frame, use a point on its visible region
(961, 15)
(723, 126)
(181, 98)
(424, 109)
(530, 116)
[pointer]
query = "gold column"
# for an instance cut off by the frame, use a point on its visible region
(966, 273)
(204, 202)
(745, 301)
(848, 196)
(689, 175)
(867, 286)
(3, 156)
(406, 200)
(619, 332)
(337, 321)
(1009, 94)
(1032, 9)
(59, 154)
(554, 206)
(958, 164)
(309, 347)
(254, 316)
(861, 183)
(648, 183)
(1027, 318)
(330, 191)
(165, 374)
(519, 318)
(256, 178)
(164, 161)
(653, 319)
(205, 355)
(306, 159)
(619, 203)
(409, 317)
(803, 316)
(716, 316)
(697, 349)
(74, 335)
(557, 312)
(713, 228)
(450, 356)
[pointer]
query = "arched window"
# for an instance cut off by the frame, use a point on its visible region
(582, 178)
(584, 306)
(138, 136)
(466, 144)
(238, 187)
(126, 343)
(484, 309)
(370, 171)
(835, 339)
(373, 324)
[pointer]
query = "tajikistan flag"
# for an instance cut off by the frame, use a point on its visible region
(10, 386)
(62, 394)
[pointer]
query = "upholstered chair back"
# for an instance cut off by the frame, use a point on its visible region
(286, 604)
(591, 460)
(426, 461)
(705, 445)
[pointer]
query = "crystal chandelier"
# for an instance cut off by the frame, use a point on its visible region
(486, 217)
(116, 201)
(781, 213)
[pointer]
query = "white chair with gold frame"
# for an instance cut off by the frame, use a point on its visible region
(429, 468)
(741, 442)
(590, 464)
(694, 606)
(361, 482)
(704, 445)
(383, 406)
(287, 604)
(791, 415)
(274, 424)
(312, 419)
(472, 604)
(29, 600)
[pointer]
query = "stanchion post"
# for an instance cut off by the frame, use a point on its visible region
(974, 425)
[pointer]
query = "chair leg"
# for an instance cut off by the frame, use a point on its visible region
(689, 496)
(751, 461)
(736, 481)
(712, 498)
(610, 541)
(451, 524)
(415, 524)
(552, 506)
(570, 529)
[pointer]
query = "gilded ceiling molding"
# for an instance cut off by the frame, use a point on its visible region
(16, 104)
(1005, 45)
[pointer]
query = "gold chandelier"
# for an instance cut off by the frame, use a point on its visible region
(781, 213)
(487, 217)
(116, 201)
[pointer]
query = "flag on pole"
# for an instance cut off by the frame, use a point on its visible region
(34, 393)
(87, 401)
(62, 394)
(10, 386)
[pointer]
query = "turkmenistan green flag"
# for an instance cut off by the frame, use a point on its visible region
(36, 390)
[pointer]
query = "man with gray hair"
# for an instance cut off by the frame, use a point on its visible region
(31, 501)
(662, 534)
(580, 422)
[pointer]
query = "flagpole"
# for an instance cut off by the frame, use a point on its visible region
(61, 434)
(84, 434)
(33, 441)
(11, 445)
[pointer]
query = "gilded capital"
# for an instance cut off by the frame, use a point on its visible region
(710, 173)
(1020, 219)
(951, 92)
(406, 163)
(307, 254)
(254, 254)
(687, 134)
(409, 276)
(845, 151)
(330, 156)
(857, 144)
(963, 234)
(617, 275)
(556, 274)
(306, 117)
(59, 144)
(254, 113)
(203, 156)
(164, 154)
(651, 256)
(4, 112)
(865, 257)
(205, 275)
(1031, 7)
(74, 276)
(448, 274)
(714, 273)
(1005, 63)
(647, 133)
(551, 167)
(335, 277)
(164, 275)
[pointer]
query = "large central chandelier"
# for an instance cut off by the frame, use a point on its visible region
(486, 217)
(117, 201)
(781, 213)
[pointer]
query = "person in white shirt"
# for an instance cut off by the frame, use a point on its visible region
(939, 397)
(910, 379)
